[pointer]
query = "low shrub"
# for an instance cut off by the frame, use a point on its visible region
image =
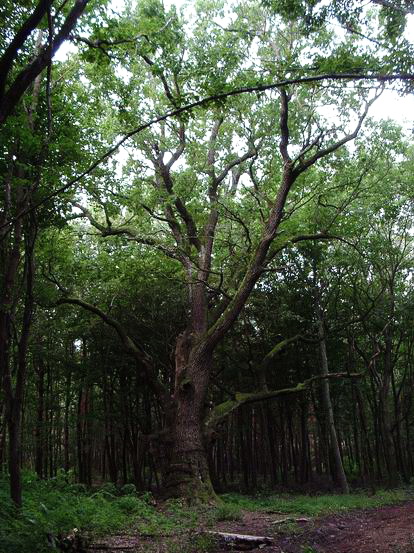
(128, 489)
(109, 488)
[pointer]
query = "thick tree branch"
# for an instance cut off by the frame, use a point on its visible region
(180, 206)
(161, 75)
(164, 178)
(212, 150)
(257, 262)
(284, 129)
(128, 231)
(179, 151)
(252, 152)
(27, 75)
(11, 52)
(223, 410)
(280, 346)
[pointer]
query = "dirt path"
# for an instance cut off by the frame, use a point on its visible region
(384, 530)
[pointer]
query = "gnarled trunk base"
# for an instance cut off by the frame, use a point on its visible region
(188, 477)
(187, 474)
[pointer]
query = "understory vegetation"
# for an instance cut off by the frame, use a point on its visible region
(315, 505)
(54, 508)
(57, 507)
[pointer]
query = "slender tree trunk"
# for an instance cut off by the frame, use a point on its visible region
(83, 437)
(326, 395)
(10, 264)
(14, 429)
(390, 455)
(398, 438)
(3, 431)
(304, 456)
(14, 394)
(39, 432)
(66, 454)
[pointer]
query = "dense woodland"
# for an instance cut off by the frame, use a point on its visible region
(206, 245)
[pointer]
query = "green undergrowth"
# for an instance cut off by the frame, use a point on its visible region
(55, 507)
(314, 505)
(227, 511)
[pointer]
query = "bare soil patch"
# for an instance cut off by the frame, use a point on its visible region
(388, 529)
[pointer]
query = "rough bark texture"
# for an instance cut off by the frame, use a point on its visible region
(188, 473)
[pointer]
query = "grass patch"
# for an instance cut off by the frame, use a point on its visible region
(314, 505)
(227, 511)
(288, 528)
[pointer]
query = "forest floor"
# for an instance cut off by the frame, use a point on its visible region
(379, 529)
(58, 512)
(387, 529)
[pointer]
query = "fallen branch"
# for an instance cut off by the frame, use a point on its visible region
(241, 541)
(109, 547)
(290, 519)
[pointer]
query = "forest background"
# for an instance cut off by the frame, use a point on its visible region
(228, 303)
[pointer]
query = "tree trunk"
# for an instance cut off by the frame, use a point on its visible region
(40, 423)
(14, 427)
(66, 423)
(3, 431)
(385, 416)
(326, 395)
(188, 472)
